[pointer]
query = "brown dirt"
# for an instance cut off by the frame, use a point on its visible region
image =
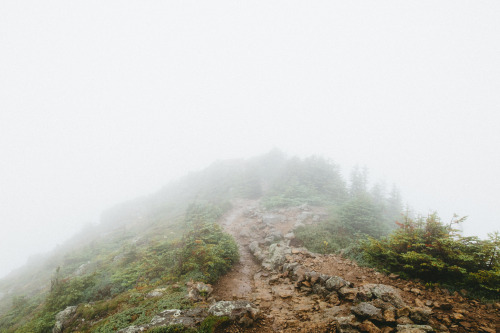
(287, 309)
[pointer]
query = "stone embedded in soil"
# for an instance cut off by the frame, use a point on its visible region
(367, 310)
(409, 328)
(235, 310)
(368, 326)
(335, 283)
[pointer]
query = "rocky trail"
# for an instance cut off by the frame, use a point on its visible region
(299, 291)
(280, 287)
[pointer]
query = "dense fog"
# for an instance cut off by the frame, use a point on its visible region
(102, 102)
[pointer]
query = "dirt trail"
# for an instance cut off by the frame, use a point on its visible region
(289, 305)
(238, 283)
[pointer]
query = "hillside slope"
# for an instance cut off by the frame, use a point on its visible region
(242, 226)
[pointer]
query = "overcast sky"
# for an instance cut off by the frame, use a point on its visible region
(103, 101)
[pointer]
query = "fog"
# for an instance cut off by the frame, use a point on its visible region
(101, 102)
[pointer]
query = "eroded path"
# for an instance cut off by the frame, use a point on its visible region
(239, 283)
(289, 302)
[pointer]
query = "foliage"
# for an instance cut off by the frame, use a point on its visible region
(206, 251)
(428, 249)
(212, 323)
(312, 181)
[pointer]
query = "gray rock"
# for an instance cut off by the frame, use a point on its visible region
(335, 283)
(420, 315)
(347, 324)
(62, 317)
(271, 219)
(156, 293)
(133, 329)
(367, 310)
(199, 291)
(409, 328)
(387, 294)
(235, 310)
(186, 318)
(277, 255)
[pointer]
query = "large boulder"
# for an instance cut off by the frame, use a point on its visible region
(62, 317)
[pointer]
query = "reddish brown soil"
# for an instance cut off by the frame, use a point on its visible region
(286, 309)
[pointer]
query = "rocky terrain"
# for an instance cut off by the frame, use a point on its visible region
(279, 286)
(299, 291)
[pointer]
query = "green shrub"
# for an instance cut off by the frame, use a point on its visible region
(425, 248)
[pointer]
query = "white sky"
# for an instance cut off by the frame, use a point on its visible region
(103, 101)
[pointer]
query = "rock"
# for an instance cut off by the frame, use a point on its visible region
(389, 316)
(409, 328)
(393, 276)
(368, 326)
(403, 312)
(333, 298)
(271, 219)
(273, 236)
(304, 216)
(349, 294)
(404, 321)
(387, 294)
(283, 291)
(186, 318)
(244, 234)
(335, 283)
(290, 236)
(347, 324)
(156, 293)
(420, 315)
(457, 316)
(235, 310)
(277, 256)
(133, 329)
(199, 291)
(62, 317)
(416, 291)
(446, 306)
(320, 290)
(367, 310)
